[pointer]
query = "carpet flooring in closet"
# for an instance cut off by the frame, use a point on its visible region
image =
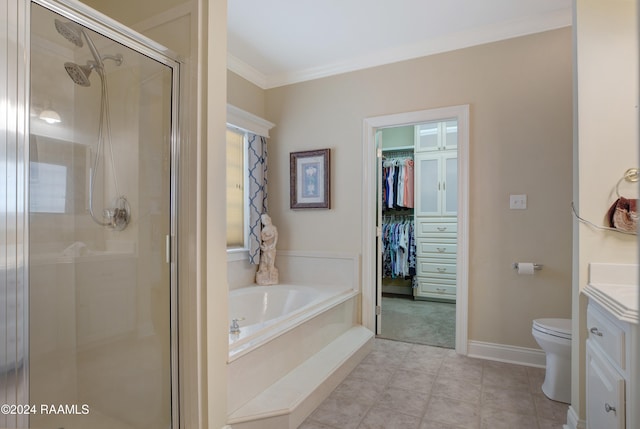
(419, 322)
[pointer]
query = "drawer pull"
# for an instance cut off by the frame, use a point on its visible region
(595, 331)
(441, 249)
(441, 290)
(609, 408)
(442, 228)
(441, 270)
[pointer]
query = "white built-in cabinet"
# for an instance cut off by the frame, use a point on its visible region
(437, 185)
(436, 206)
(610, 354)
(440, 135)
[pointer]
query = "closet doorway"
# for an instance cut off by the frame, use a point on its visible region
(420, 193)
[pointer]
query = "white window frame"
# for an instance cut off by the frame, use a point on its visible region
(245, 197)
(246, 122)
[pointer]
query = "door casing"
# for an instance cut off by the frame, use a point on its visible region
(371, 292)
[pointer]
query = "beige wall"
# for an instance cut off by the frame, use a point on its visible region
(606, 146)
(131, 12)
(245, 95)
(520, 93)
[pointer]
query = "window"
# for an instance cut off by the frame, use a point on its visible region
(246, 158)
(236, 172)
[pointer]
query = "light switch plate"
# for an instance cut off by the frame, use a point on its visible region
(518, 202)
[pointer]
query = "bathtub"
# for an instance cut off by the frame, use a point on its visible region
(266, 312)
(297, 340)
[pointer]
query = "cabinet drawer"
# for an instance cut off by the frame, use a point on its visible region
(441, 279)
(429, 228)
(607, 334)
(431, 269)
(435, 288)
(437, 250)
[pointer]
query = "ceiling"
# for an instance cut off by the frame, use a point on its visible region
(279, 42)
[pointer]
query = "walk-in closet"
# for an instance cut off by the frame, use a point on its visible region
(418, 231)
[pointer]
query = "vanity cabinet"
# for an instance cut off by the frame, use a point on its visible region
(605, 371)
(609, 370)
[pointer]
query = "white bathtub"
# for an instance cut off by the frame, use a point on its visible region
(297, 340)
(266, 312)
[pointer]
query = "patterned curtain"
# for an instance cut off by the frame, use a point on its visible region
(257, 164)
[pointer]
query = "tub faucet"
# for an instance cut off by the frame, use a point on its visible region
(235, 328)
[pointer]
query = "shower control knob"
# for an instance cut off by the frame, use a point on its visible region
(120, 216)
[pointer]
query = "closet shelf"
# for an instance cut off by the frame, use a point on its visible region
(391, 149)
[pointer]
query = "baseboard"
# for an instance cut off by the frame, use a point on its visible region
(506, 353)
(573, 422)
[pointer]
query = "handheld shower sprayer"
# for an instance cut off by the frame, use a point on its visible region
(80, 74)
(119, 216)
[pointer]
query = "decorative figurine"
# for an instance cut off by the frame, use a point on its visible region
(267, 272)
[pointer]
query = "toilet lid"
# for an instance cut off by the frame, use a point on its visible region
(556, 327)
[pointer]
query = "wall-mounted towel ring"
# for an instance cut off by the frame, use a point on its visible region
(623, 214)
(631, 175)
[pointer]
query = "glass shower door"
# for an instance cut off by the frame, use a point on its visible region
(100, 218)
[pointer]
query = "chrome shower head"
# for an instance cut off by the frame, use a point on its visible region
(70, 31)
(79, 74)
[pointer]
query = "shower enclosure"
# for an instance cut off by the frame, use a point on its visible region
(88, 269)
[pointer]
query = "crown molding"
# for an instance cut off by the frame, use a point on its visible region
(246, 121)
(477, 36)
(245, 71)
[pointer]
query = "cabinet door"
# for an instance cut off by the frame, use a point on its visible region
(605, 392)
(450, 135)
(427, 136)
(427, 185)
(450, 184)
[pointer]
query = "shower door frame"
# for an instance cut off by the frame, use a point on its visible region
(14, 140)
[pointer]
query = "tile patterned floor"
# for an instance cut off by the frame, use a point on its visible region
(412, 386)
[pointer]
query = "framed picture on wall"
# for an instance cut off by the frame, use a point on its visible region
(309, 179)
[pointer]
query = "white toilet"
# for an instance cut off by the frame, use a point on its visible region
(554, 336)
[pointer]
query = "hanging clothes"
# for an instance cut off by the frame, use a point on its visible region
(399, 247)
(408, 183)
(398, 182)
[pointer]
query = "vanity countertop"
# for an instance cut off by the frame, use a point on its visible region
(615, 287)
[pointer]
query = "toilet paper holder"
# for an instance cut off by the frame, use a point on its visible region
(536, 267)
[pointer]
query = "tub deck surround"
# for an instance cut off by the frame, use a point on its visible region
(297, 341)
(288, 402)
(252, 372)
(301, 268)
(266, 312)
